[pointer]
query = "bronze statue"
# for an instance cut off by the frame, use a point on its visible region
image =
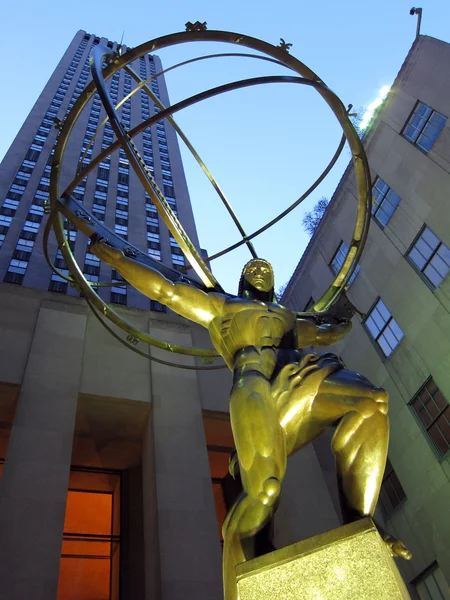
(281, 398)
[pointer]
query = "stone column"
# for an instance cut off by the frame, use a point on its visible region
(190, 552)
(34, 485)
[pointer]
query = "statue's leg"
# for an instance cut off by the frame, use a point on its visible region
(358, 409)
(260, 446)
(360, 442)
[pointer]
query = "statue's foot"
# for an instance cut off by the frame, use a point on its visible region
(396, 547)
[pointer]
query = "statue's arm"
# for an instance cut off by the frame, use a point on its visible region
(186, 300)
(324, 334)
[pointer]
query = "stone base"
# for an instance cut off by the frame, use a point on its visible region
(348, 563)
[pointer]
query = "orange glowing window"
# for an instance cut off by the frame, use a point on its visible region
(90, 551)
(219, 440)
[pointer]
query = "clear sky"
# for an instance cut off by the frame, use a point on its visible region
(264, 145)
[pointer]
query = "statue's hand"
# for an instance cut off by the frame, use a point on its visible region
(397, 548)
(100, 247)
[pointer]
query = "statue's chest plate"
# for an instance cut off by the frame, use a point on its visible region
(252, 323)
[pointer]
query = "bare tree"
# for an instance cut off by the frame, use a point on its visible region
(312, 219)
(281, 290)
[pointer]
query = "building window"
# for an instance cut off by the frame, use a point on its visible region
(90, 554)
(157, 306)
(424, 126)
(392, 493)
(433, 414)
(13, 277)
(154, 253)
(383, 328)
(384, 202)
(119, 295)
(338, 260)
(58, 286)
(430, 256)
(431, 584)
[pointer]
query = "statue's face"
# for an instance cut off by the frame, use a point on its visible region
(260, 275)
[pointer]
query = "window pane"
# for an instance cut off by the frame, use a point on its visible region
(424, 247)
(417, 121)
(83, 579)
(382, 217)
(441, 267)
(440, 400)
(431, 406)
(385, 346)
(390, 338)
(381, 306)
(411, 133)
(372, 327)
(88, 512)
(433, 275)
(378, 318)
(381, 186)
(425, 142)
(393, 198)
(417, 258)
(444, 253)
(398, 333)
(86, 547)
(434, 126)
(424, 415)
(430, 238)
(423, 109)
(444, 426)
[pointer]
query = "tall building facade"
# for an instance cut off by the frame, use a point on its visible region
(112, 193)
(113, 466)
(402, 286)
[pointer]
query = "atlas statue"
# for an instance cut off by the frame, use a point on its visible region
(281, 398)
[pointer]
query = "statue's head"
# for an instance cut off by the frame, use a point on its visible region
(257, 280)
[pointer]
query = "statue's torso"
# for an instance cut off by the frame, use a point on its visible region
(249, 323)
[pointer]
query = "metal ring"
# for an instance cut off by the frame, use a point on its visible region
(360, 161)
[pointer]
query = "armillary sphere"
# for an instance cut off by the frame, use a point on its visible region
(64, 207)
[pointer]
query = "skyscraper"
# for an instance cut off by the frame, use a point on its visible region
(112, 193)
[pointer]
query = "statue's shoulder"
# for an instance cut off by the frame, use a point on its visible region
(279, 308)
(220, 300)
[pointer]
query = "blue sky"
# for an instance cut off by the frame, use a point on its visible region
(264, 145)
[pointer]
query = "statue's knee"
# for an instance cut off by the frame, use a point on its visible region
(270, 492)
(381, 398)
(375, 404)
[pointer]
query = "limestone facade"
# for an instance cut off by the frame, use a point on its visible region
(422, 181)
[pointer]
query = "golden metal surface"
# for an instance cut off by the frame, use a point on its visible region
(281, 399)
(349, 563)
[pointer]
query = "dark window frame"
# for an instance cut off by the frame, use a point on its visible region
(443, 410)
(374, 339)
(392, 494)
(422, 129)
(421, 271)
(379, 207)
(332, 267)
